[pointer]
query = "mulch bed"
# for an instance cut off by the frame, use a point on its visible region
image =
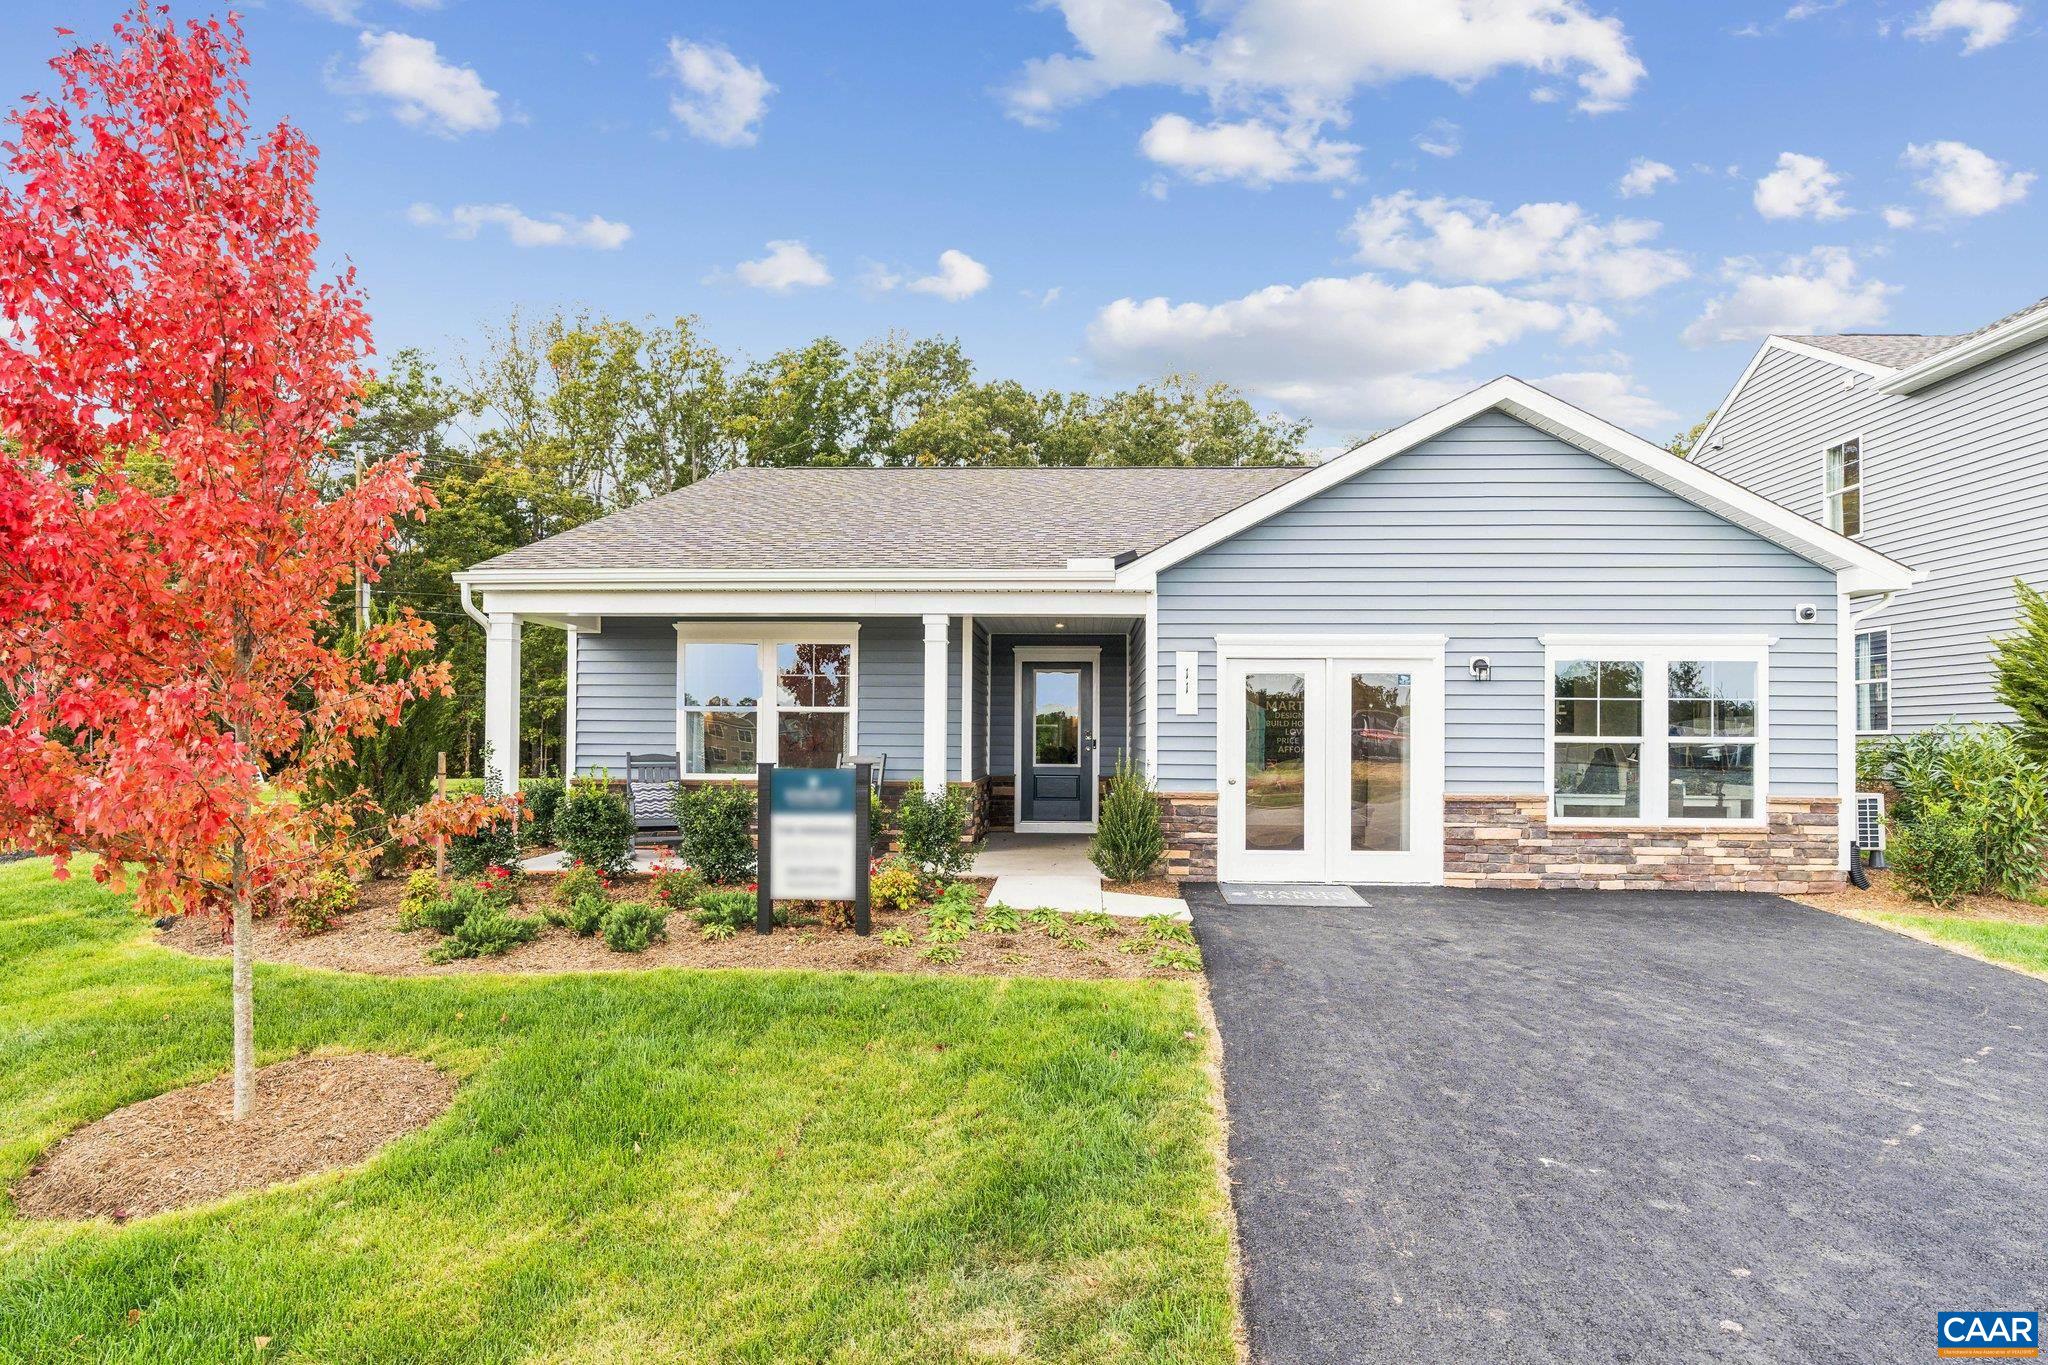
(1884, 896)
(368, 940)
(311, 1114)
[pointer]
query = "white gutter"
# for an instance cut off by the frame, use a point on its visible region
(469, 605)
(1969, 355)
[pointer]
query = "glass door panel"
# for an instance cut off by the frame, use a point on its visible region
(1381, 787)
(1275, 762)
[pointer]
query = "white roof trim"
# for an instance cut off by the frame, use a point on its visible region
(1789, 347)
(1861, 568)
(1976, 351)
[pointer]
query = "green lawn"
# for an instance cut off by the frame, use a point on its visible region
(2023, 945)
(660, 1165)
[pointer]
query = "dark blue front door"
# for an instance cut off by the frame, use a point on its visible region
(1056, 770)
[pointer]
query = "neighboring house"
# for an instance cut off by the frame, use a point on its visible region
(1932, 449)
(1505, 644)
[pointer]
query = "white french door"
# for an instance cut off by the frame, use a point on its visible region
(1331, 765)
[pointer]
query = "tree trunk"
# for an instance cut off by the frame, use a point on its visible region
(244, 992)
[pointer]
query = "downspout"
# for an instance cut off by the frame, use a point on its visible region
(469, 606)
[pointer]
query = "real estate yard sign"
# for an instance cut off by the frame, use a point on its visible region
(814, 839)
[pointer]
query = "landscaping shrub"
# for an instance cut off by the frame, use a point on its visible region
(486, 931)
(933, 833)
(422, 889)
(1936, 854)
(629, 926)
(1128, 841)
(1983, 776)
(463, 902)
(579, 881)
(678, 887)
(721, 914)
(586, 913)
(594, 826)
(715, 820)
(2019, 664)
(1001, 919)
(896, 885)
(543, 799)
(333, 896)
(493, 845)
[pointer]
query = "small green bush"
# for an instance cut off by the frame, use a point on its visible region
(543, 799)
(1128, 841)
(579, 881)
(594, 826)
(678, 887)
(629, 926)
(422, 889)
(447, 914)
(933, 833)
(729, 910)
(1001, 919)
(334, 894)
(1936, 855)
(1980, 773)
(493, 845)
(899, 937)
(586, 914)
(716, 820)
(487, 932)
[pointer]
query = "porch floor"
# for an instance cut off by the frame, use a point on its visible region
(1052, 872)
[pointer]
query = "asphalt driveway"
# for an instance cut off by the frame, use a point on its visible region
(1554, 1126)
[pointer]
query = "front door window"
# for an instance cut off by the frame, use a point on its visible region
(1275, 762)
(1056, 723)
(1380, 710)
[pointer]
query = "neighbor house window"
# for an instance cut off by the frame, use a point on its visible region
(751, 695)
(1657, 735)
(1845, 487)
(1874, 682)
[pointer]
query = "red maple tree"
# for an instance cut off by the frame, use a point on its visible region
(172, 366)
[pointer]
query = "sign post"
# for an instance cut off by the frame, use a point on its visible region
(813, 835)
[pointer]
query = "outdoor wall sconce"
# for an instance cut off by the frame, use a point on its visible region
(1481, 669)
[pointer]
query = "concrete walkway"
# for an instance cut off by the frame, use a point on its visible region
(1052, 872)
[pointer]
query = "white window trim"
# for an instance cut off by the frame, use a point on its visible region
(1857, 684)
(1656, 653)
(1057, 654)
(765, 636)
(1827, 499)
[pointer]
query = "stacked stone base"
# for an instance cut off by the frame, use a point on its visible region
(1508, 841)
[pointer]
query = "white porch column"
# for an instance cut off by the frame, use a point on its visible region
(501, 699)
(935, 705)
(967, 699)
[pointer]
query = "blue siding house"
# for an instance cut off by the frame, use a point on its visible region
(1506, 644)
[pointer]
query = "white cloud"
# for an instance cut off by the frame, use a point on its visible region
(1312, 55)
(1555, 248)
(1441, 138)
(1801, 187)
(348, 11)
(1253, 151)
(1897, 217)
(1964, 181)
(1333, 349)
(788, 265)
(1815, 293)
(959, 276)
(466, 221)
(1045, 298)
(1807, 9)
(1983, 23)
(425, 91)
(723, 99)
(1643, 176)
(1604, 393)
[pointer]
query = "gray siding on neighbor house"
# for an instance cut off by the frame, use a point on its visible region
(1111, 727)
(1955, 484)
(1495, 534)
(626, 693)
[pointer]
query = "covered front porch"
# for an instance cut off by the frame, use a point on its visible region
(1027, 710)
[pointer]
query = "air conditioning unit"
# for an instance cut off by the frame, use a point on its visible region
(1870, 826)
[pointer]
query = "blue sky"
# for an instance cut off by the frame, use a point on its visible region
(1352, 211)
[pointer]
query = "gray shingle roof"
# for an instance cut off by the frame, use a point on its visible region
(1900, 349)
(865, 518)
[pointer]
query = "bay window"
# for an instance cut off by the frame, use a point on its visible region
(764, 693)
(1669, 733)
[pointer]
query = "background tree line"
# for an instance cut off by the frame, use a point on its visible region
(555, 421)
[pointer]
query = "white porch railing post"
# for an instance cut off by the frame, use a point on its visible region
(501, 698)
(935, 670)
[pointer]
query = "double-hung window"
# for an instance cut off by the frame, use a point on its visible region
(1844, 487)
(1874, 682)
(1656, 734)
(781, 693)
